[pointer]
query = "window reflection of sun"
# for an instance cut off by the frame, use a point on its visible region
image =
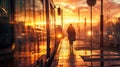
(35, 56)
(84, 52)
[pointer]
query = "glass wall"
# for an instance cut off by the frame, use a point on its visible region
(30, 31)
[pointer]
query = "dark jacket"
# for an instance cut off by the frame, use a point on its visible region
(71, 33)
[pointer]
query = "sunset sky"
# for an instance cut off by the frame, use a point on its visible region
(70, 8)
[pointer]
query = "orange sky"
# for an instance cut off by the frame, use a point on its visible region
(70, 7)
(70, 11)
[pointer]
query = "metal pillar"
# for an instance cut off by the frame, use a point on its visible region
(101, 34)
(48, 28)
(79, 22)
(91, 31)
(85, 35)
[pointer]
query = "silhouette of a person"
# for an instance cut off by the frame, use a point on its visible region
(71, 36)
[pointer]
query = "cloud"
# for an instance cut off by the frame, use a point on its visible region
(38, 4)
(111, 8)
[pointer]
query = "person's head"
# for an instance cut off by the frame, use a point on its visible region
(70, 24)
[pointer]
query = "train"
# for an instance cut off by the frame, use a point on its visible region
(28, 28)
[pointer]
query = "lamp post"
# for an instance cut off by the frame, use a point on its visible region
(79, 22)
(85, 29)
(101, 34)
(85, 33)
(91, 3)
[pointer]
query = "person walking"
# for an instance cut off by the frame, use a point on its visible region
(71, 36)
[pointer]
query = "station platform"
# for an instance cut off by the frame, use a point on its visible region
(84, 56)
(65, 58)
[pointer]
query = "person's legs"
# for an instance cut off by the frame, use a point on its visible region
(71, 46)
